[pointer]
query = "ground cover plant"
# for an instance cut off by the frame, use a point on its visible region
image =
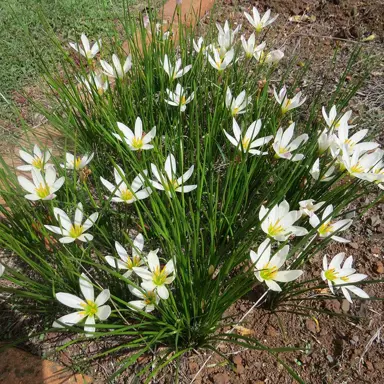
(197, 184)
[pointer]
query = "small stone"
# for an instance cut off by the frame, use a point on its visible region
(271, 331)
(345, 305)
(375, 221)
(221, 378)
(354, 245)
(369, 365)
(311, 325)
(355, 338)
(330, 358)
(379, 268)
(237, 360)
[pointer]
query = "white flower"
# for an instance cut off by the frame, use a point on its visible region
(2, 269)
(156, 278)
(226, 35)
(271, 57)
(267, 267)
(38, 159)
(278, 222)
(43, 187)
(123, 193)
(149, 299)
(179, 98)
(73, 231)
(126, 262)
(328, 228)
(324, 141)
(90, 309)
(287, 104)
(308, 207)
(86, 50)
(174, 72)
(170, 182)
(220, 63)
(95, 82)
(236, 105)
(136, 141)
(249, 46)
(283, 146)
(78, 162)
(260, 22)
(199, 46)
(332, 121)
(315, 172)
(117, 69)
(336, 274)
(342, 142)
(249, 142)
(378, 170)
(362, 164)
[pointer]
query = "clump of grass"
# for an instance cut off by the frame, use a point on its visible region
(183, 182)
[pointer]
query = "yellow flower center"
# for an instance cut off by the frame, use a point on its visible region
(43, 191)
(77, 162)
(245, 143)
(357, 168)
(235, 111)
(38, 163)
(100, 91)
(268, 273)
(275, 229)
(126, 195)
(137, 142)
(159, 276)
(325, 228)
(150, 297)
(134, 262)
(172, 184)
(285, 106)
(75, 231)
(282, 150)
(330, 274)
(90, 308)
(183, 100)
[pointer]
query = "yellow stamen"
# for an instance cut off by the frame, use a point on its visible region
(75, 231)
(38, 163)
(76, 162)
(275, 229)
(326, 228)
(90, 308)
(150, 298)
(357, 168)
(159, 276)
(330, 274)
(126, 195)
(235, 111)
(183, 100)
(43, 191)
(134, 262)
(137, 142)
(245, 143)
(268, 273)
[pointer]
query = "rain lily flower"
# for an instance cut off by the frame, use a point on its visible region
(170, 182)
(249, 46)
(287, 104)
(199, 46)
(236, 105)
(76, 230)
(249, 142)
(174, 72)
(127, 263)
(226, 35)
(328, 228)
(2, 269)
(341, 141)
(283, 146)
(178, 98)
(117, 70)
(156, 278)
(89, 308)
(220, 63)
(336, 274)
(331, 119)
(38, 159)
(136, 141)
(278, 222)
(378, 170)
(76, 163)
(315, 172)
(267, 267)
(148, 299)
(361, 165)
(42, 187)
(308, 207)
(123, 193)
(272, 57)
(260, 22)
(86, 50)
(95, 82)
(324, 141)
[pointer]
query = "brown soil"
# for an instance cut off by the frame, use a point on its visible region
(342, 350)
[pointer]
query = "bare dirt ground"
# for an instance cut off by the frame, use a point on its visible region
(343, 350)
